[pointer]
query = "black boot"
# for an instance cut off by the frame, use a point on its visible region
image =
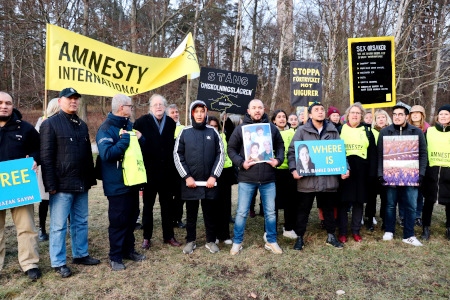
(369, 224)
(447, 233)
(299, 243)
(426, 233)
(333, 241)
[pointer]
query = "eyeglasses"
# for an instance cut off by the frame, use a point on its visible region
(354, 113)
(129, 105)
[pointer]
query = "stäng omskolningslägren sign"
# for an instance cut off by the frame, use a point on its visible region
(18, 183)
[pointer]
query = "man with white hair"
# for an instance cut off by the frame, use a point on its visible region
(158, 130)
(113, 139)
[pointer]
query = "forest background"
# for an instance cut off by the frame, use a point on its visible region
(252, 36)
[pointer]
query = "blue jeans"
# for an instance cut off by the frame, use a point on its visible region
(419, 207)
(245, 194)
(61, 205)
(408, 196)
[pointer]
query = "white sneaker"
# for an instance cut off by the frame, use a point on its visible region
(388, 236)
(212, 247)
(228, 242)
(265, 237)
(362, 221)
(235, 249)
(290, 234)
(412, 241)
(273, 247)
(374, 222)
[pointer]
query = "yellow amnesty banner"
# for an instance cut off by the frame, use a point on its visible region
(95, 68)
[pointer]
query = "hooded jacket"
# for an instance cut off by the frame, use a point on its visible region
(260, 172)
(198, 153)
(18, 139)
(66, 154)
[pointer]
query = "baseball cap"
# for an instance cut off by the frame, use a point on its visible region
(68, 92)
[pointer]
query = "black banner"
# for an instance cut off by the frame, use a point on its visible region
(372, 71)
(306, 82)
(226, 90)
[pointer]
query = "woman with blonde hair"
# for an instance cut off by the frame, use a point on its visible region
(380, 120)
(52, 108)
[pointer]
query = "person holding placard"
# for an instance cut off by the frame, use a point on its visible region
(323, 188)
(361, 154)
(19, 139)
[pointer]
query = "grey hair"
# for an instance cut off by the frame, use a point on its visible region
(171, 106)
(358, 105)
(153, 98)
(52, 107)
(118, 100)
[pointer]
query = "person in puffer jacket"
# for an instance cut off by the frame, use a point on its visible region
(199, 159)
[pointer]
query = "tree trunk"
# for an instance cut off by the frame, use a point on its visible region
(237, 40)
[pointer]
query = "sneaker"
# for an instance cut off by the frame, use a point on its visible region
(134, 256)
(290, 234)
(342, 238)
(419, 222)
(189, 248)
(43, 236)
(34, 273)
(299, 244)
(146, 244)
(265, 237)
(235, 249)
(388, 236)
(412, 241)
(333, 241)
(116, 266)
(87, 260)
(426, 233)
(362, 221)
(212, 247)
(374, 221)
(228, 242)
(273, 247)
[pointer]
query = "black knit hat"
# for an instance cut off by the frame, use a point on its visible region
(444, 107)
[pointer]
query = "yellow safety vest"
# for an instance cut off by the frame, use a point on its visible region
(228, 163)
(133, 164)
(287, 136)
(356, 141)
(178, 130)
(438, 143)
(376, 134)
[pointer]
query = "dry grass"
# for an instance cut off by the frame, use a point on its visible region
(372, 269)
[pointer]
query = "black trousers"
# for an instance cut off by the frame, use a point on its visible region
(177, 211)
(209, 209)
(357, 213)
(371, 205)
(224, 204)
(43, 210)
(303, 205)
(427, 212)
(123, 211)
(286, 193)
(163, 189)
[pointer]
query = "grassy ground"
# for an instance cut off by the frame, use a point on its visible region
(373, 269)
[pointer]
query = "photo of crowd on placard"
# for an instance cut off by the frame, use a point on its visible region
(257, 142)
(401, 160)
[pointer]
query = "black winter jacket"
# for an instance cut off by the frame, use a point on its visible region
(199, 154)
(18, 139)
(261, 172)
(158, 148)
(66, 155)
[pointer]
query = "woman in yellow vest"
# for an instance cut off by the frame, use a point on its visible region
(286, 185)
(224, 182)
(361, 154)
(436, 183)
(380, 120)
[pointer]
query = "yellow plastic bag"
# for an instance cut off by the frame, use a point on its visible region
(133, 164)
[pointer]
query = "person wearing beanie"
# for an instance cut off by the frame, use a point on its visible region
(334, 116)
(407, 194)
(199, 159)
(436, 185)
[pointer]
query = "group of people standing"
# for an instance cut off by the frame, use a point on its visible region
(197, 164)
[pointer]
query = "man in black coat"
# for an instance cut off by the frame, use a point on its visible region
(19, 139)
(158, 130)
(68, 174)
